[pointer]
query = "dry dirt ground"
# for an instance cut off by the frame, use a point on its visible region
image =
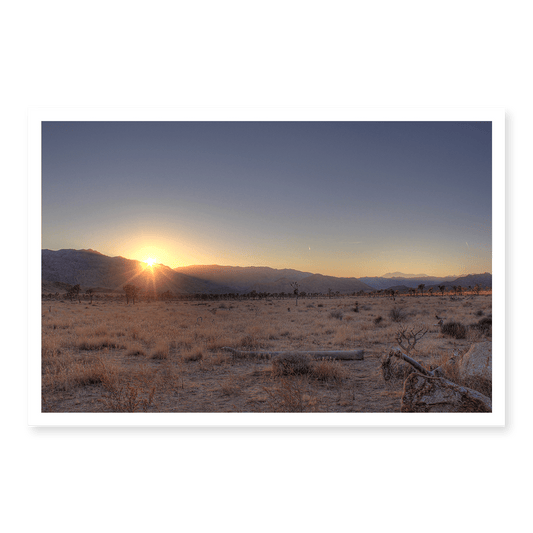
(167, 356)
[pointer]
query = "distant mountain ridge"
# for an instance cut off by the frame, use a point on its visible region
(402, 275)
(91, 269)
(241, 278)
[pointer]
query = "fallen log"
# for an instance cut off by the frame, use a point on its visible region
(351, 355)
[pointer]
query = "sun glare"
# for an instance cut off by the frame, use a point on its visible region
(150, 261)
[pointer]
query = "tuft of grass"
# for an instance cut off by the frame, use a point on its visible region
(127, 399)
(292, 394)
(136, 351)
(161, 351)
(98, 343)
(195, 355)
(329, 370)
(291, 365)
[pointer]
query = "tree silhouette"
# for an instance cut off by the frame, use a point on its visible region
(430, 291)
(131, 292)
(89, 292)
(442, 288)
(296, 290)
(421, 288)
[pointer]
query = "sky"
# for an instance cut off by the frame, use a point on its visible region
(335, 198)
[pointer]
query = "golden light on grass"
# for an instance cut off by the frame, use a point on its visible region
(158, 357)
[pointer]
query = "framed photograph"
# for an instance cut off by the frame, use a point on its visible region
(267, 267)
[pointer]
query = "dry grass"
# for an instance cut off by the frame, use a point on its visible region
(167, 356)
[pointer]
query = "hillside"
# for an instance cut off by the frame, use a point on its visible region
(242, 279)
(91, 269)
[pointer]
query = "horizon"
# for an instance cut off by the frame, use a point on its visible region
(345, 199)
(92, 250)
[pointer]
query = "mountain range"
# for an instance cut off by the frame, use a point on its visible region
(91, 269)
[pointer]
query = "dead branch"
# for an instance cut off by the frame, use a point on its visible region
(395, 352)
(407, 338)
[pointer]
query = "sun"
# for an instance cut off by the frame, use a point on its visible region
(150, 261)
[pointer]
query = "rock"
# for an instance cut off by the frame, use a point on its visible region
(427, 394)
(476, 364)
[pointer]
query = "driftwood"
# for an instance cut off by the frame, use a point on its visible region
(351, 355)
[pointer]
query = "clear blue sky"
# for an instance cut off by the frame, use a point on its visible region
(337, 198)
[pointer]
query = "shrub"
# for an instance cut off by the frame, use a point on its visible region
(454, 329)
(291, 364)
(378, 320)
(484, 325)
(194, 356)
(397, 314)
(336, 313)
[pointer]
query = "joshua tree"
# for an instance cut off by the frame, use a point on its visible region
(296, 291)
(89, 293)
(131, 292)
(430, 291)
(421, 288)
(477, 288)
(442, 288)
(454, 287)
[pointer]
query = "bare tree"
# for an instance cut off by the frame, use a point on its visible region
(421, 288)
(296, 290)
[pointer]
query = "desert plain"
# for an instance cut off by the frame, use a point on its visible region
(170, 356)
